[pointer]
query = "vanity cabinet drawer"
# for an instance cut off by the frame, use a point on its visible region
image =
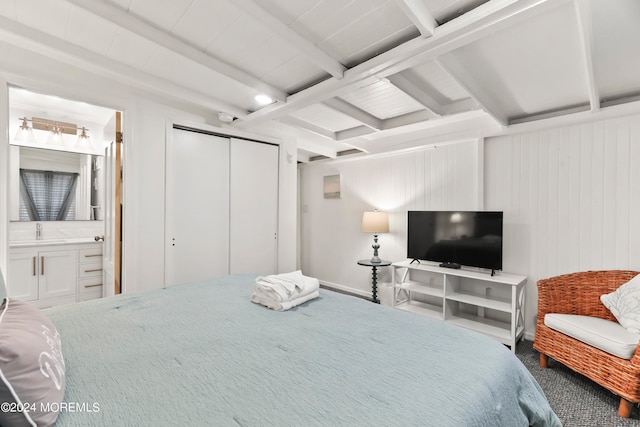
(92, 284)
(90, 273)
(90, 254)
(90, 269)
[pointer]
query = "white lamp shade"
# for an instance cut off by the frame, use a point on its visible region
(375, 222)
(25, 135)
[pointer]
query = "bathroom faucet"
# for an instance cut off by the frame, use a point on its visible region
(38, 231)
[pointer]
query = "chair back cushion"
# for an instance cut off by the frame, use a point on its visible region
(624, 304)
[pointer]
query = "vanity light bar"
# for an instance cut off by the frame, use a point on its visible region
(51, 125)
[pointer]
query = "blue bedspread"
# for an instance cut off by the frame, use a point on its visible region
(204, 355)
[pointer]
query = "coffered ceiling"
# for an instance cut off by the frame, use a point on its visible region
(365, 75)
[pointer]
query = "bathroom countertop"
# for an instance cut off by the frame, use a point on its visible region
(51, 242)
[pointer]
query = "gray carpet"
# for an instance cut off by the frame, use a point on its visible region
(578, 401)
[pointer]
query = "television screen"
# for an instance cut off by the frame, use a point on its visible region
(456, 238)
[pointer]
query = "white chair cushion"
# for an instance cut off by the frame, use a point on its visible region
(600, 333)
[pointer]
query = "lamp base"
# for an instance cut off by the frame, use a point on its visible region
(375, 246)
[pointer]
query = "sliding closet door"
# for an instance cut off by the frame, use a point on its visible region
(197, 207)
(254, 208)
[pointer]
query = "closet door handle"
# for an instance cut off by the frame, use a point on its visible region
(42, 266)
(34, 266)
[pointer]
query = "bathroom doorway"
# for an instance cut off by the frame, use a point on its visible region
(49, 128)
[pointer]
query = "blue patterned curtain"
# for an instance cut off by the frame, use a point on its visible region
(47, 195)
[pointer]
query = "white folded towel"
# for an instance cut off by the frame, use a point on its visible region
(283, 291)
(283, 305)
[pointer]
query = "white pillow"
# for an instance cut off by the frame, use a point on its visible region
(624, 304)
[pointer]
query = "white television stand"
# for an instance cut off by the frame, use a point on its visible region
(476, 300)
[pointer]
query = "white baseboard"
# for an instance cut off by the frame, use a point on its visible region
(385, 292)
(346, 289)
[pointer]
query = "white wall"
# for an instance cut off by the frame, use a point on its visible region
(145, 117)
(447, 177)
(569, 194)
(570, 197)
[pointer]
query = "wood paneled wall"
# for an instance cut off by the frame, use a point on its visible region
(447, 177)
(570, 196)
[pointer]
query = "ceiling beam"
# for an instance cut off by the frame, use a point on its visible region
(314, 147)
(583, 12)
(433, 108)
(445, 129)
(351, 110)
(472, 26)
(418, 13)
(550, 114)
(303, 156)
(460, 106)
(304, 46)
(303, 124)
(353, 132)
(112, 13)
(60, 50)
(408, 119)
(465, 78)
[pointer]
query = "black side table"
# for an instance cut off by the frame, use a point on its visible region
(374, 275)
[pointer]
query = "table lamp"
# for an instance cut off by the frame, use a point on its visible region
(375, 222)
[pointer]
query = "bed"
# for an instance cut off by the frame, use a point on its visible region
(203, 355)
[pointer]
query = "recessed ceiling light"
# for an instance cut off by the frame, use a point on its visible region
(263, 99)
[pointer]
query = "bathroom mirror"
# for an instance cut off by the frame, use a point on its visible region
(52, 185)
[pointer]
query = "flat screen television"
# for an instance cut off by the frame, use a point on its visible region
(456, 238)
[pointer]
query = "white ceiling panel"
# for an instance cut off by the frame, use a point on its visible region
(8, 8)
(205, 21)
(271, 55)
(89, 31)
(329, 17)
(532, 68)
(192, 75)
(124, 4)
(326, 118)
(163, 16)
(358, 40)
(251, 46)
(131, 49)
(506, 61)
(445, 10)
(382, 100)
(616, 54)
(294, 74)
(289, 11)
(243, 36)
(48, 16)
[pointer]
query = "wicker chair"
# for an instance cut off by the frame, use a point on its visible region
(579, 293)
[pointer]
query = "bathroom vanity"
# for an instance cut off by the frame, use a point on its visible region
(54, 272)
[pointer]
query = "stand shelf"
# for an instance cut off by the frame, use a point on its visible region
(491, 305)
